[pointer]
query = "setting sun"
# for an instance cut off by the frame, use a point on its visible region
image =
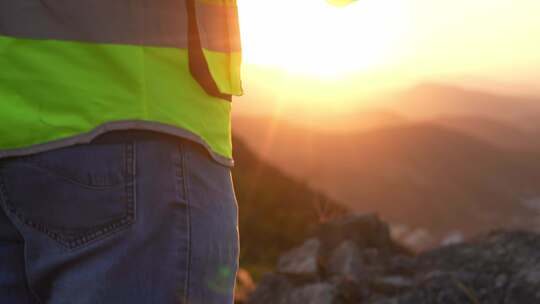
(299, 54)
(317, 39)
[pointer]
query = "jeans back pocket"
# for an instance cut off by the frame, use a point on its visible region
(74, 195)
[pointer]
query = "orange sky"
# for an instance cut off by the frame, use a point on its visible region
(306, 49)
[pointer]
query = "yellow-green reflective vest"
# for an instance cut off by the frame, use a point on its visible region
(72, 70)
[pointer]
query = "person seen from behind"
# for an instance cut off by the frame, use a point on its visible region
(115, 151)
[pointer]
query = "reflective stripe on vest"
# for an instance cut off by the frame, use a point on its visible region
(160, 23)
(70, 66)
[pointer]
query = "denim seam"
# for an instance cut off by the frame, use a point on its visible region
(100, 233)
(131, 184)
(188, 219)
(3, 201)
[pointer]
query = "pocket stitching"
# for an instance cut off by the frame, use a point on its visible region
(62, 176)
(98, 233)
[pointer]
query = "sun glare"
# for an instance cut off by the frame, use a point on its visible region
(312, 37)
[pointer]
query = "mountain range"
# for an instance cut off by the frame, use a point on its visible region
(443, 159)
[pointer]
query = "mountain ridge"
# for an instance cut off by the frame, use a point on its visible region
(438, 173)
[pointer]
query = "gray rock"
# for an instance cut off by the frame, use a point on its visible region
(525, 287)
(431, 275)
(371, 256)
(346, 260)
(453, 238)
(387, 301)
(402, 265)
(531, 276)
(302, 260)
(272, 289)
(502, 267)
(318, 293)
(501, 280)
(391, 285)
(350, 291)
(418, 238)
(366, 231)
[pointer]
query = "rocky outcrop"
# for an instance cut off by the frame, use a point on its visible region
(354, 260)
(302, 260)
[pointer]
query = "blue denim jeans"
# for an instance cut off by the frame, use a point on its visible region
(132, 217)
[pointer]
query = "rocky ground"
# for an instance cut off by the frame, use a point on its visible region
(354, 260)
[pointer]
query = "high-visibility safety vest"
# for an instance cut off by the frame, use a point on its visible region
(71, 70)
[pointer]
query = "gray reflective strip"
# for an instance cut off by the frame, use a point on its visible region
(161, 23)
(117, 126)
(138, 22)
(218, 27)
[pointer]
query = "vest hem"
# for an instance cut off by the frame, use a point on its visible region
(84, 138)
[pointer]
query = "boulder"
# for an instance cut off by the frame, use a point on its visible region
(401, 265)
(391, 285)
(317, 293)
(272, 289)
(353, 260)
(524, 287)
(346, 261)
(386, 301)
(301, 261)
(502, 267)
(365, 231)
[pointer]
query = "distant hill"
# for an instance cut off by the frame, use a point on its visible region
(427, 101)
(506, 121)
(436, 157)
(364, 120)
(275, 210)
(498, 133)
(418, 174)
(346, 123)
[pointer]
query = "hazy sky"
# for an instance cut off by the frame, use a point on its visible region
(307, 49)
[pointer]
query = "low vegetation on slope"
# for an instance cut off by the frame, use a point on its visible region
(275, 211)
